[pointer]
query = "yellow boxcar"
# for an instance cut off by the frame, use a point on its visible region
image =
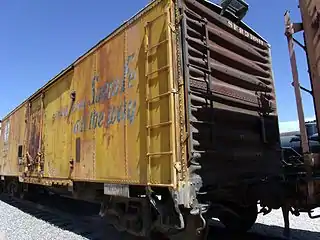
(178, 102)
(111, 116)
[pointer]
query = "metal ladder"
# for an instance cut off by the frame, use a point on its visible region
(169, 94)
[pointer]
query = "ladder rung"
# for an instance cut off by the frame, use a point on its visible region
(159, 96)
(158, 70)
(159, 153)
(156, 45)
(159, 124)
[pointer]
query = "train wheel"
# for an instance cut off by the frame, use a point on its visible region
(243, 221)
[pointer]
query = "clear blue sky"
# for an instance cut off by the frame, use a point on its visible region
(39, 38)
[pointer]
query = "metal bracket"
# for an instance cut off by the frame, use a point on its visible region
(299, 44)
(303, 88)
(291, 28)
(297, 27)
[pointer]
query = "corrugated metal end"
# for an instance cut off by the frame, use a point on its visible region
(232, 105)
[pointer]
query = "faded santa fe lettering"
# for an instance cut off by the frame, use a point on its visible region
(60, 113)
(104, 92)
(125, 111)
(115, 113)
(128, 73)
(79, 126)
(116, 86)
(245, 33)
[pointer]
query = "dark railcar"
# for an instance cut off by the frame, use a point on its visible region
(232, 110)
(234, 146)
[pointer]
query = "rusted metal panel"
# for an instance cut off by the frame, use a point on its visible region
(113, 110)
(57, 128)
(12, 136)
(34, 125)
(5, 126)
(33, 137)
(112, 123)
(18, 126)
(83, 118)
(231, 98)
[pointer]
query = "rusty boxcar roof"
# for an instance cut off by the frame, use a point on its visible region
(114, 33)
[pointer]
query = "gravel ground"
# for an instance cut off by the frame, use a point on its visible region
(16, 224)
(302, 227)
